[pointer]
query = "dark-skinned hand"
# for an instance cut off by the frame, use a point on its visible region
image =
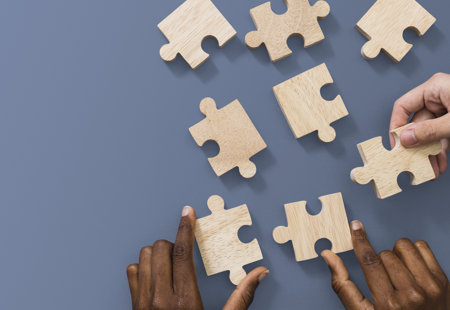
(165, 277)
(408, 277)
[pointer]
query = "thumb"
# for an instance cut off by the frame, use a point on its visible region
(426, 131)
(243, 295)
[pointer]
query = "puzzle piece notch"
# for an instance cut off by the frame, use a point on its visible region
(305, 109)
(235, 134)
(218, 241)
(274, 29)
(383, 25)
(188, 26)
(382, 167)
(304, 230)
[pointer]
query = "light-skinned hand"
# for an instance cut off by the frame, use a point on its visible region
(428, 104)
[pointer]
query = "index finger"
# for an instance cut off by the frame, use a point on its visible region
(184, 276)
(405, 106)
(347, 291)
(374, 272)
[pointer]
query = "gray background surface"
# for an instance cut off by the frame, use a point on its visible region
(96, 160)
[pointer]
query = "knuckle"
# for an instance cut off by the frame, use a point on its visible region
(180, 304)
(399, 103)
(390, 303)
(394, 305)
(415, 297)
(180, 252)
(159, 304)
(428, 131)
(338, 286)
(369, 258)
(438, 76)
(434, 291)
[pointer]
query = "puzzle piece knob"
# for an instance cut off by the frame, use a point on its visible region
(236, 275)
(253, 39)
(247, 169)
(327, 135)
(281, 234)
(216, 203)
(322, 9)
(359, 176)
(370, 49)
(167, 52)
(208, 106)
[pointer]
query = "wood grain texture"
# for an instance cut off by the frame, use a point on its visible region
(383, 25)
(382, 167)
(274, 30)
(235, 134)
(218, 241)
(304, 229)
(305, 109)
(186, 28)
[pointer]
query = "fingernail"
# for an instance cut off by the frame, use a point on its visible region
(325, 258)
(408, 137)
(186, 211)
(263, 275)
(356, 225)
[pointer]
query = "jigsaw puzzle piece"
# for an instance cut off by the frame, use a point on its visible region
(304, 230)
(305, 109)
(383, 25)
(277, 47)
(186, 28)
(274, 30)
(382, 167)
(235, 134)
(218, 241)
(373, 153)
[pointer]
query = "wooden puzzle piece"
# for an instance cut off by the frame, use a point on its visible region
(218, 241)
(304, 229)
(274, 30)
(383, 25)
(382, 167)
(303, 106)
(186, 28)
(235, 134)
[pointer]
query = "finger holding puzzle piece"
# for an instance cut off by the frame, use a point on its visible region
(382, 167)
(218, 241)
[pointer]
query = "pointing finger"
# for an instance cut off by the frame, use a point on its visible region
(349, 294)
(184, 274)
(376, 276)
